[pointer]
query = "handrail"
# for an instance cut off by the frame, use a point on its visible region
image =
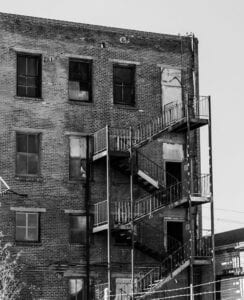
(173, 261)
(99, 290)
(145, 229)
(149, 204)
(154, 170)
(120, 138)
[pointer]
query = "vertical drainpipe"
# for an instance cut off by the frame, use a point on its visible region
(188, 141)
(132, 218)
(87, 207)
(211, 191)
(108, 212)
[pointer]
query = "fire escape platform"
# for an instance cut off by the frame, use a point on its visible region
(198, 200)
(199, 261)
(181, 125)
(111, 153)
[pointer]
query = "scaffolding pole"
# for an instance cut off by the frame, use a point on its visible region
(108, 212)
(211, 191)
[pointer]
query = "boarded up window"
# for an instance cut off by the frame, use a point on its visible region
(77, 229)
(171, 86)
(77, 162)
(173, 152)
(27, 154)
(80, 81)
(28, 75)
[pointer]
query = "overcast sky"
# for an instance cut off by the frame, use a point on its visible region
(219, 26)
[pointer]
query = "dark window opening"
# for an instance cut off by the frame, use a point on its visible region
(77, 158)
(80, 80)
(77, 229)
(27, 156)
(27, 227)
(124, 84)
(29, 75)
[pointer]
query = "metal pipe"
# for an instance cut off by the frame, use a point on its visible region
(108, 211)
(188, 142)
(211, 191)
(132, 218)
(87, 206)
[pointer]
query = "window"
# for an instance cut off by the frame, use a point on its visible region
(80, 83)
(27, 156)
(76, 289)
(124, 86)
(77, 229)
(29, 75)
(77, 158)
(27, 227)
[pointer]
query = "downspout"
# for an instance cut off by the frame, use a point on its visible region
(87, 207)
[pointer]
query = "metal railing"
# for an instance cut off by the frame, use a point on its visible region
(144, 233)
(99, 140)
(203, 247)
(121, 210)
(100, 213)
(99, 290)
(149, 167)
(174, 261)
(201, 186)
(120, 138)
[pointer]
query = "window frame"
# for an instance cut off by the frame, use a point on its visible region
(81, 231)
(132, 84)
(79, 137)
(89, 82)
(39, 76)
(26, 213)
(38, 135)
(83, 279)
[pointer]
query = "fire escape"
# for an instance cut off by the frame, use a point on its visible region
(121, 149)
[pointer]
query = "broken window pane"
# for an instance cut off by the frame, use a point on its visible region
(80, 80)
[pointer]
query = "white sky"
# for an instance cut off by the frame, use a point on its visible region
(219, 25)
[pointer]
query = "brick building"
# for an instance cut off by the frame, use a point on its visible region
(229, 252)
(100, 129)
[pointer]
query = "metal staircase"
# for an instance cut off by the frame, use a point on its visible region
(172, 265)
(121, 218)
(173, 118)
(147, 173)
(172, 196)
(144, 243)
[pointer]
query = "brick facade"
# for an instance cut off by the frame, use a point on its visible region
(52, 261)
